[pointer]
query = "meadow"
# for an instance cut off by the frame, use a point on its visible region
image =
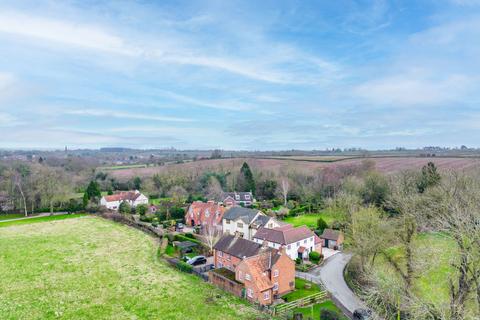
(310, 219)
(90, 268)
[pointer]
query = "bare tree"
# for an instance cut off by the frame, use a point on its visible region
(285, 188)
(214, 189)
(211, 233)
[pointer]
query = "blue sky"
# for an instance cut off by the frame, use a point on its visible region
(256, 75)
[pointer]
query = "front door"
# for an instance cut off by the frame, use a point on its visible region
(300, 255)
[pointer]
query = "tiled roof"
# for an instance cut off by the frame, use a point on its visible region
(206, 212)
(259, 267)
(237, 246)
(122, 196)
(245, 214)
(317, 239)
(330, 234)
(243, 196)
(284, 234)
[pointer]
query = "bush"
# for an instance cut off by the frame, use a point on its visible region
(180, 237)
(124, 208)
(185, 267)
(321, 224)
(314, 256)
(189, 235)
(142, 209)
(338, 225)
(298, 261)
(326, 314)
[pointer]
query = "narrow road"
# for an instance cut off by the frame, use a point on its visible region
(330, 274)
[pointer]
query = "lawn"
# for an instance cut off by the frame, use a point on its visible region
(310, 219)
(8, 216)
(301, 291)
(314, 312)
(6, 223)
(90, 268)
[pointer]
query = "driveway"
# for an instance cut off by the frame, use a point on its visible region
(330, 274)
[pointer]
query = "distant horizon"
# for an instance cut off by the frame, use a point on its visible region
(242, 75)
(333, 150)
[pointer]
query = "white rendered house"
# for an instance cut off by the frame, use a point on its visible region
(133, 198)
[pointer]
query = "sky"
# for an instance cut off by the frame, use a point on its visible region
(239, 75)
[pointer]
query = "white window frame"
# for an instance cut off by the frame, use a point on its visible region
(249, 293)
(227, 221)
(266, 295)
(220, 253)
(247, 197)
(275, 286)
(248, 277)
(275, 273)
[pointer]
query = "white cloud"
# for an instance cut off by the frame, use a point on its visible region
(124, 115)
(68, 33)
(412, 89)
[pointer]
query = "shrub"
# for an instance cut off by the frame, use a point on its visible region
(142, 209)
(124, 208)
(180, 237)
(314, 256)
(298, 261)
(338, 225)
(321, 224)
(189, 235)
(185, 267)
(326, 314)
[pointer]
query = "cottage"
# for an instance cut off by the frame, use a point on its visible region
(251, 270)
(332, 239)
(204, 213)
(133, 198)
(299, 242)
(230, 199)
(246, 222)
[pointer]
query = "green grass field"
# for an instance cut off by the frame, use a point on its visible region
(8, 216)
(6, 223)
(301, 291)
(90, 268)
(310, 219)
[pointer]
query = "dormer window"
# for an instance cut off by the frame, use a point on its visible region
(237, 197)
(247, 197)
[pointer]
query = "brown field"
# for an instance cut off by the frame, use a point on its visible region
(383, 164)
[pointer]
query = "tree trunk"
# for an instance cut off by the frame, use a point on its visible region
(24, 200)
(51, 207)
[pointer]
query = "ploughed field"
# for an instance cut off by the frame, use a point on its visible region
(382, 164)
(91, 268)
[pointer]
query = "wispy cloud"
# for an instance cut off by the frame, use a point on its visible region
(125, 115)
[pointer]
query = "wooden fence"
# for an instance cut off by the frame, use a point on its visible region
(302, 302)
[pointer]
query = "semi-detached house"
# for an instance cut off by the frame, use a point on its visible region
(252, 270)
(245, 222)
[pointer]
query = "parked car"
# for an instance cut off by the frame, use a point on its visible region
(179, 226)
(362, 314)
(198, 260)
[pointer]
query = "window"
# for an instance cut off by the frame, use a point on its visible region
(220, 265)
(240, 275)
(220, 253)
(227, 221)
(237, 197)
(247, 277)
(275, 286)
(207, 213)
(247, 197)
(275, 273)
(305, 241)
(266, 295)
(239, 225)
(250, 293)
(228, 257)
(298, 244)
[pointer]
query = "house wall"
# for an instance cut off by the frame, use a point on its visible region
(286, 275)
(250, 287)
(292, 249)
(232, 227)
(225, 260)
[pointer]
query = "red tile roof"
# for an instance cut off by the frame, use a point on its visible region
(284, 234)
(205, 213)
(123, 195)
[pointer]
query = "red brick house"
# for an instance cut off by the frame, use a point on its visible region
(203, 213)
(230, 199)
(251, 270)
